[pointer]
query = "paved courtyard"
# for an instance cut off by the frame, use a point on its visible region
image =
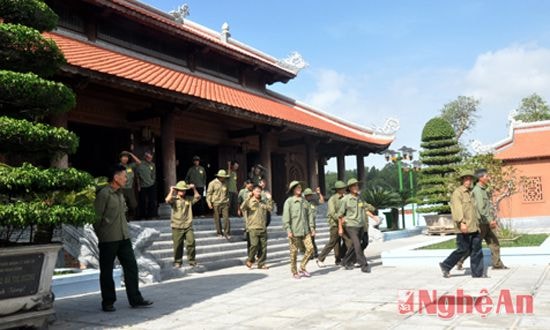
(238, 298)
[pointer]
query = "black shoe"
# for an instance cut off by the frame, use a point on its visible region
(143, 303)
(500, 267)
(108, 308)
(366, 268)
(444, 270)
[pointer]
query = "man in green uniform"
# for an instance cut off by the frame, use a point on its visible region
(128, 190)
(314, 199)
(182, 221)
(256, 209)
(487, 221)
(466, 218)
(232, 168)
(112, 233)
(147, 193)
(352, 220)
(299, 227)
(334, 240)
(196, 175)
(217, 199)
(257, 173)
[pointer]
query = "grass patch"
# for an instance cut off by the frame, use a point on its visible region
(523, 240)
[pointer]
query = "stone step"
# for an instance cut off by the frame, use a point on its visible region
(166, 247)
(205, 224)
(219, 260)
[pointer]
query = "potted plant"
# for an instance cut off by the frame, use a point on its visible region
(382, 198)
(34, 196)
(441, 155)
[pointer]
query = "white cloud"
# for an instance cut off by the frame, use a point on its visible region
(499, 78)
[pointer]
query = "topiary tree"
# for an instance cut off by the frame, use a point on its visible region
(441, 155)
(34, 196)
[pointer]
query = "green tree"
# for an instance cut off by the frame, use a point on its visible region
(441, 152)
(461, 113)
(30, 195)
(532, 108)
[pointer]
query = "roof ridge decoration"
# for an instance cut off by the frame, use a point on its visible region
(294, 62)
(180, 13)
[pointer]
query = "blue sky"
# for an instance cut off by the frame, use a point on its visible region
(369, 60)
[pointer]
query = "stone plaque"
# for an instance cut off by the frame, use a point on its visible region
(20, 275)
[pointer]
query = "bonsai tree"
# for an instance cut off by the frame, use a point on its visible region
(441, 155)
(32, 194)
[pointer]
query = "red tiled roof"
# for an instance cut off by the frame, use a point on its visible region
(143, 11)
(92, 57)
(529, 140)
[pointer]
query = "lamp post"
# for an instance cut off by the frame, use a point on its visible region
(414, 166)
(397, 157)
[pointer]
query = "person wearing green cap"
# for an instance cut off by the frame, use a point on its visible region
(256, 208)
(314, 198)
(181, 221)
(128, 190)
(334, 240)
(196, 175)
(487, 222)
(217, 198)
(299, 227)
(352, 219)
(147, 175)
(232, 169)
(466, 218)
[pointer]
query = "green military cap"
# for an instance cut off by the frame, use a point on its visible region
(353, 181)
(308, 192)
(339, 184)
(466, 173)
(222, 174)
(294, 184)
(196, 158)
(124, 153)
(181, 185)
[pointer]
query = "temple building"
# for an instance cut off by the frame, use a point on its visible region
(146, 79)
(527, 149)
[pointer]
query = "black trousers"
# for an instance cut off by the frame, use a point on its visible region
(355, 251)
(467, 244)
(199, 207)
(148, 202)
(122, 250)
(233, 203)
(333, 243)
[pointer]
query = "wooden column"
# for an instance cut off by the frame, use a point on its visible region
(168, 140)
(266, 139)
(360, 166)
(311, 162)
(321, 169)
(341, 166)
(60, 160)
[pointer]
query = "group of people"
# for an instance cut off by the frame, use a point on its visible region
(473, 213)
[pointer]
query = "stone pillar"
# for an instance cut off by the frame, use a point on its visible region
(341, 165)
(321, 172)
(266, 139)
(360, 166)
(168, 140)
(60, 160)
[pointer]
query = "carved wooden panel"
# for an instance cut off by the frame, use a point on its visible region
(532, 189)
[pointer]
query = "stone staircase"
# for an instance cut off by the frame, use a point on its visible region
(215, 253)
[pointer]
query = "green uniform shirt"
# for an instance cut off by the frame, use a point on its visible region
(256, 179)
(256, 212)
(182, 211)
(482, 198)
(197, 176)
(353, 209)
(130, 175)
(147, 174)
(232, 182)
(110, 209)
(463, 209)
(243, 194)
(312, 214)
(333, 205)
(216, 194)
(296, 219)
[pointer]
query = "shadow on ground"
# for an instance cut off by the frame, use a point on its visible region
(84, 311)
